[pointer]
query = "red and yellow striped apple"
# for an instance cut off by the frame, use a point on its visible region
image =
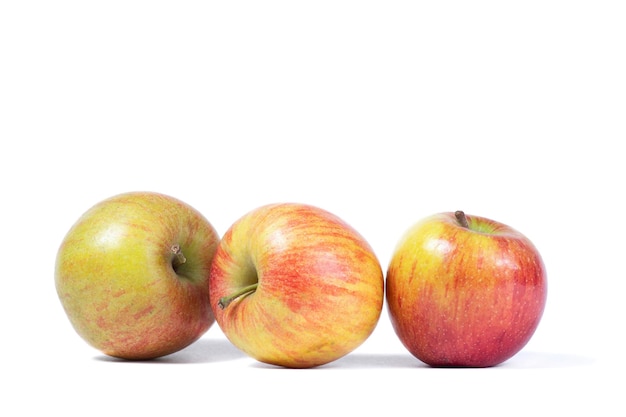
(295, 286)
(133, 275)
(465, 290)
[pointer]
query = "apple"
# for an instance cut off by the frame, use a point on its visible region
(293, 285)
(465, 291)
(132, 275)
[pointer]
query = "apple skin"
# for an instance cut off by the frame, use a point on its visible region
(123, 287)
(320, 286)
(465, 296)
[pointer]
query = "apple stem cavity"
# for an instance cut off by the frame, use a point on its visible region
(225, 301)
(179, 258)
(461, 218)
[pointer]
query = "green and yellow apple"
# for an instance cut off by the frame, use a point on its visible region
(133, 275)
(465, 290)
(295, 286)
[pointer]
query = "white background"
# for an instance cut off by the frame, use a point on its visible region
(382, 112)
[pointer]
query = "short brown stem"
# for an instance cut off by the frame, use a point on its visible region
(179, 258)
(225, 301)
(460, 217)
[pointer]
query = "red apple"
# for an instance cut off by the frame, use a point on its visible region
(295, 286)
(465, 290)
(133, 275)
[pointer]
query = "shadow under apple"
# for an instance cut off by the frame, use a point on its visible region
(545, 360)
(523, 360)
(360, 361)
(376, 360)
(205, 350)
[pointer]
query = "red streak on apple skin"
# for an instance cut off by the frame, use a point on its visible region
(323, 263)
(118, 293)
(146, 311)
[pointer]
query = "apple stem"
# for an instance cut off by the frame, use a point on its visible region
(460, 217)
(180, 258)
(225, 301)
